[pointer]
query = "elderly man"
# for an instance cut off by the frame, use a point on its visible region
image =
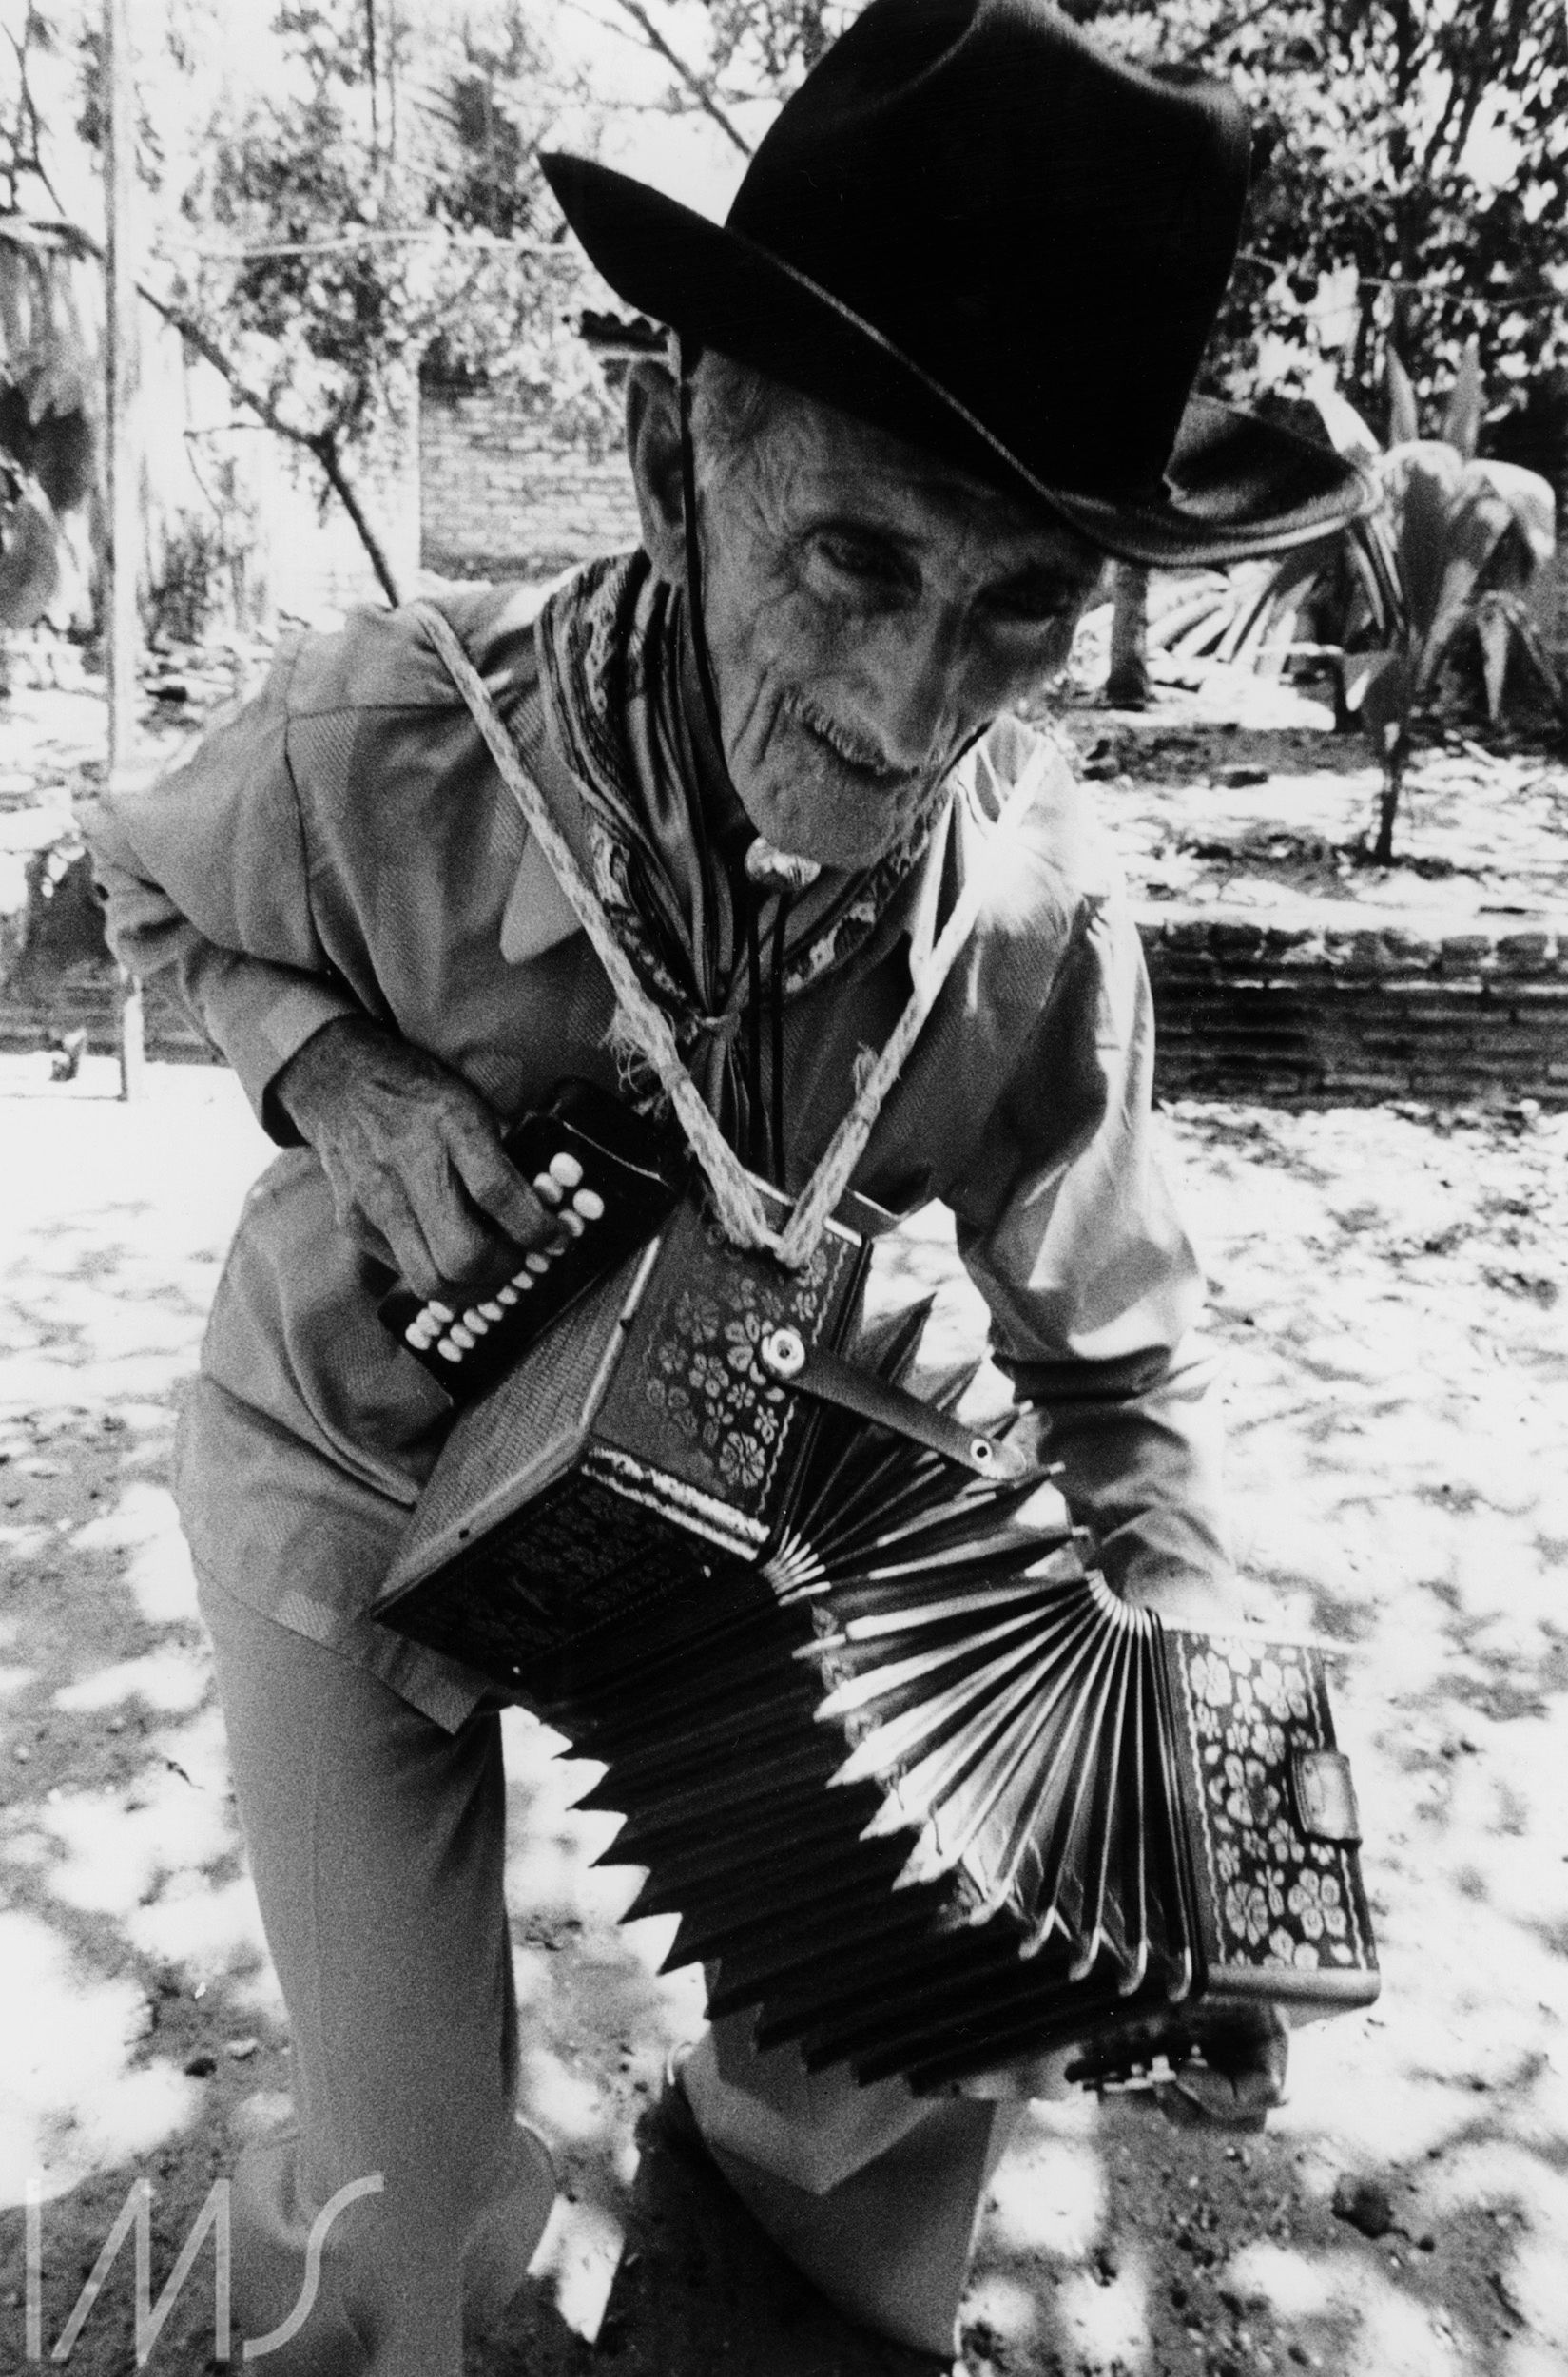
(935, 367)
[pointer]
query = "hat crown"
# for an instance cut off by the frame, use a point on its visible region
(1044, 229)
(980, 230)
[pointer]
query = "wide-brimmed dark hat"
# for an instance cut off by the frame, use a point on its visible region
(976, 227)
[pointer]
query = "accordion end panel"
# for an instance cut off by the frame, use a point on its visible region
(1273, 1827)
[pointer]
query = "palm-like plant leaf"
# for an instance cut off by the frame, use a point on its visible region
(29, 557)
(1403, 413)
(1466, 404)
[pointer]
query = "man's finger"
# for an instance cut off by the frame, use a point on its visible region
(497, 1188)
(462, 1241)
(386, 1209)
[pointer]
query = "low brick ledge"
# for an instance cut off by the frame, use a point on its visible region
(1303, 1012)
(1292, 1012)
(1173, 939)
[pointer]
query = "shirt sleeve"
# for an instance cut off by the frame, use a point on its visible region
(204, 879)
(1095, 1288)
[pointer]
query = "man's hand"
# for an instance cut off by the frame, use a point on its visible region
(1241, 2079)
(411, 1152)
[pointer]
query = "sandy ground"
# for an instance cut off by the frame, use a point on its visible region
(1389, 1309)
(1236, 793)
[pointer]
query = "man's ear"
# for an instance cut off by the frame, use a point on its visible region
(654, 449)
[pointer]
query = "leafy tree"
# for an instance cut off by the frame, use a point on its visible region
(1411, 185)
(325, 231)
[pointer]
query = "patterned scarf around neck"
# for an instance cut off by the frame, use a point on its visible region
(611, 645)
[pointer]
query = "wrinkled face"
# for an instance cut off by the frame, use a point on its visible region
(868, 610)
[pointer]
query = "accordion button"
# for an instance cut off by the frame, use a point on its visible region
(589, 1202)
(417, 1336)
(536, 1263)
(436, 1311)
(566, 1169)
(448, 1352)
(475, 1321)
(459, 1336)
(506, 1295)
(549, 1190)
(491, 1311)
(575, 1224)
(522, 1280)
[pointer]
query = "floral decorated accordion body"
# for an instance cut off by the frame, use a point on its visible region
(923, 1792)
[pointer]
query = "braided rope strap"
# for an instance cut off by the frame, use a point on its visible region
(737, 1207)
(819, 1197)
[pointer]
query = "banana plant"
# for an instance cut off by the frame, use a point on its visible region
(1456, 547)
(47, 440)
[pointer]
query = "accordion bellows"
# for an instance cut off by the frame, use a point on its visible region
(922, 1791)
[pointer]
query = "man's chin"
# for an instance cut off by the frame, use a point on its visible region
(835, 825)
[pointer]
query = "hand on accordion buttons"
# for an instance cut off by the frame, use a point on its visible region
(412, 1155)
(1241, 2079)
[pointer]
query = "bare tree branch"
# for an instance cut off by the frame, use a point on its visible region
(688, 74)
(320, 444)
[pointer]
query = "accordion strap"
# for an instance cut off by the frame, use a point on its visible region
(737, 1205)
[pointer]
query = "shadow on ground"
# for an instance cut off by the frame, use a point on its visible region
(1395, 1397)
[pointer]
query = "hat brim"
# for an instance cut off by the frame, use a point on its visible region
(1235, 486)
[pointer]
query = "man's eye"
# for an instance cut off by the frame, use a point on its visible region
(855, 558)
(1039, 606)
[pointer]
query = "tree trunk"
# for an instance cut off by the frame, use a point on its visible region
(1388, 800)
(1126, 686)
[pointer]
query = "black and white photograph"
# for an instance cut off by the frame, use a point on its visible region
(783, 1188)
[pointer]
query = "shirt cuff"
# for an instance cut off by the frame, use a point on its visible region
(260, 1015)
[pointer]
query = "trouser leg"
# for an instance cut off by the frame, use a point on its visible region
(376, 1843)
(873, 2193)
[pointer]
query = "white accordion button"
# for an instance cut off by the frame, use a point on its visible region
(439, 1312)
(551, 1190)
(448, 1352)
(506, 1295)
(566, 1169)
(461, 1336)
(475, 1321)
(522, 1280)
(491, 1311)
(536, 1263)
(589, 1202)
(575, 1223)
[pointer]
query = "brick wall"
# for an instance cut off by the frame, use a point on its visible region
(504, 495)
(1298, 1014)
(1283, 1014)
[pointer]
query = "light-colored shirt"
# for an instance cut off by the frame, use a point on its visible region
(343, 845)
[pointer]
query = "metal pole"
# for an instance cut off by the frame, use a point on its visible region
(122, 627)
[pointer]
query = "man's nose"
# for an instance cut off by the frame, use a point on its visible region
(916, 672)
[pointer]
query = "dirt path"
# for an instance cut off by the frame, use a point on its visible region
(1389, 1305)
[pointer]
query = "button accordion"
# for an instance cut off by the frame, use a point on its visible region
(922, 1791)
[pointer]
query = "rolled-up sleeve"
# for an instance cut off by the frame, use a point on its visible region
(1094, 1287)
(205, 878)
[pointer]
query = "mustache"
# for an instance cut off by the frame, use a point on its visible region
(856, 751)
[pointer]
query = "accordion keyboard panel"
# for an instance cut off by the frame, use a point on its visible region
(503, 1449)
(607, 1178)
